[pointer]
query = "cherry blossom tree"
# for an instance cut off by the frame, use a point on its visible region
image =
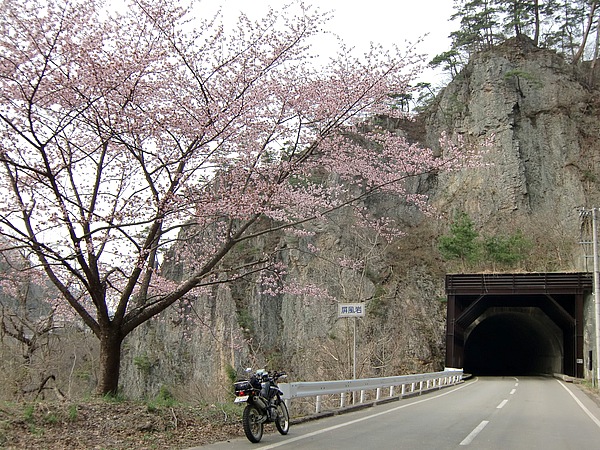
(123, 133)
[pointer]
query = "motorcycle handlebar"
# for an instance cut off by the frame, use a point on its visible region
(264, 376)
(273, 375)
(277, 375)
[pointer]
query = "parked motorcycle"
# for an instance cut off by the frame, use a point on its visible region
(264, 403)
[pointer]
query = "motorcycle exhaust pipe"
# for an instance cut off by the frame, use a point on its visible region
(261, 404)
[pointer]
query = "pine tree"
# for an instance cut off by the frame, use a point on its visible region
(563, 25)
(461, 243)
(507, 250)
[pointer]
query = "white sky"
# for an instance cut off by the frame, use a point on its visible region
(359, 22)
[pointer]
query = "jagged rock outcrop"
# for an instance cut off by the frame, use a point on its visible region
(543, 163)
(545, 156)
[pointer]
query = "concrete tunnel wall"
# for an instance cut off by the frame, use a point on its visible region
(518, 341)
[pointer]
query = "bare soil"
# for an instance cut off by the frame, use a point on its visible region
(99, 424)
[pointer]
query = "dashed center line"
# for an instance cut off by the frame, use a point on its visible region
(474, 433)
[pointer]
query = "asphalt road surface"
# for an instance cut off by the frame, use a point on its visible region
(484, 413)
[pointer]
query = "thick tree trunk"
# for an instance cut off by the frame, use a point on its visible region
(110, 363)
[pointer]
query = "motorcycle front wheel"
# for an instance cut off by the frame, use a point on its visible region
(253, 426)
(283, 418)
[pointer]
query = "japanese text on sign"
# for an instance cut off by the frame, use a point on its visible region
(351, 309)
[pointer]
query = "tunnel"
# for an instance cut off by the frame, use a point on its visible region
(515, 324)
(519, 341)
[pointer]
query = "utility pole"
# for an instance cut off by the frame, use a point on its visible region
(594, 213)
(596, 290)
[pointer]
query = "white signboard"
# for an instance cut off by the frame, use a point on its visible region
(351, 309)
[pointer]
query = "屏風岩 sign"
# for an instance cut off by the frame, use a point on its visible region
(351, 309)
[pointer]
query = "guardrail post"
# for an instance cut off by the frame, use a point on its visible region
(342, 400)
(318, 405)
(420, 387)
(391, 391)
(378, 395)
(403, 390)
(362, 396)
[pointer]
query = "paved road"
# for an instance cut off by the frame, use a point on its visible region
(485, 413)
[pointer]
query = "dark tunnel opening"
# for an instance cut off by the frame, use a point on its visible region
(513, 342)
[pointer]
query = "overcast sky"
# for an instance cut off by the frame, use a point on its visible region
(360, 22)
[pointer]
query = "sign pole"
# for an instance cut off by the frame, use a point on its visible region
(354, 353)
(354, 361)
(352, 310)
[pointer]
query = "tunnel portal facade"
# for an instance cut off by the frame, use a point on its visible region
(511, 324)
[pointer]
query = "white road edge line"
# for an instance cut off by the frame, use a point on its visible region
(473, 434)
(581, 405)
(513, 391)
(362, 419)
(502, 403)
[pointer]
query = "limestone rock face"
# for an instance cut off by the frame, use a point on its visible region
(542, 165)
(543, 119)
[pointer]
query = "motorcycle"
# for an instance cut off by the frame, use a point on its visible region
(264, 403)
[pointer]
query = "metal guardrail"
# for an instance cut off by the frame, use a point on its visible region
(408, 384)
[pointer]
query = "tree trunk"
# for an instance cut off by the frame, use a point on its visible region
(110, 363)
(591, 79)
(536, 12)
(586, 33)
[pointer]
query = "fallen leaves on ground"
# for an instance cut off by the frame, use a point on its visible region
(99, 424)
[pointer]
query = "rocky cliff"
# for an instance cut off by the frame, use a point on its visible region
(541, 166)
(544, 162)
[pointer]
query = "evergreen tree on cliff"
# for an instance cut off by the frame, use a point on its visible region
(120, 129)
(566, 26)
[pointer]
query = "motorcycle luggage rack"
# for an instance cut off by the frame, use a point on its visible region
(242, 386)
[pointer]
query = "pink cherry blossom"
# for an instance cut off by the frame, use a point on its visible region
(139, 138)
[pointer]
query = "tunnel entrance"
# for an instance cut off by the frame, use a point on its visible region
(517, 341)
(516, 324)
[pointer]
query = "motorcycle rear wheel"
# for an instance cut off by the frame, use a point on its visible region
(283, 418)
(253, 426)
